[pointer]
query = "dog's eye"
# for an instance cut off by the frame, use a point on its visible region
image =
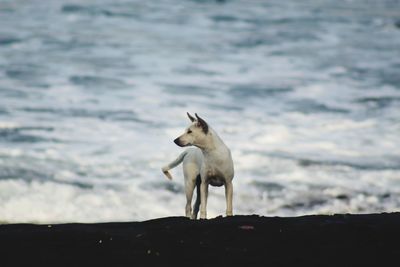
(189, 131)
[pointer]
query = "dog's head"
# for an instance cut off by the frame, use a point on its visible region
(195, 134)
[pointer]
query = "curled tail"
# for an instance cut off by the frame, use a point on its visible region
(173, 164)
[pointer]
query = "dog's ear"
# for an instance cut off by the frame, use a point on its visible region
(190, 117)
(202, 124)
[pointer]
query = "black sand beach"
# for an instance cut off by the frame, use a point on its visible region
(338, 240)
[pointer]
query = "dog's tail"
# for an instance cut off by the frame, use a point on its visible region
(173, 164)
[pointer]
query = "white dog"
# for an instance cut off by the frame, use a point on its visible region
(209, 163)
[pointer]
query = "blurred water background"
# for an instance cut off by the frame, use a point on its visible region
(92, 93)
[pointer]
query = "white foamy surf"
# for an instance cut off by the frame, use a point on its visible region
(306, 95)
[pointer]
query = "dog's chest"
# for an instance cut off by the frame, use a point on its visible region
(215, 177)
(217, 167)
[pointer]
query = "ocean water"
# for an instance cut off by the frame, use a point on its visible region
(305, 93)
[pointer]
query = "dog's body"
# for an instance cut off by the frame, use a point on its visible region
(209, 163)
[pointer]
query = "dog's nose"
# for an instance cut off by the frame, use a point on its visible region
(177, 142)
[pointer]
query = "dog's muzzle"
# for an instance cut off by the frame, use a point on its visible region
(178, 142)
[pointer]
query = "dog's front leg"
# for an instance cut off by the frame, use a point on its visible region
(228, 196)
(203, 199)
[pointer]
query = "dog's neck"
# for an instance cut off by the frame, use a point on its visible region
(211, 142)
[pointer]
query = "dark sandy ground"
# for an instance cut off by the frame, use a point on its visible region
(338, 240)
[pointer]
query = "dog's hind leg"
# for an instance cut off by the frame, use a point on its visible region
(190, 172)
(196, 206)
(189, 188)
